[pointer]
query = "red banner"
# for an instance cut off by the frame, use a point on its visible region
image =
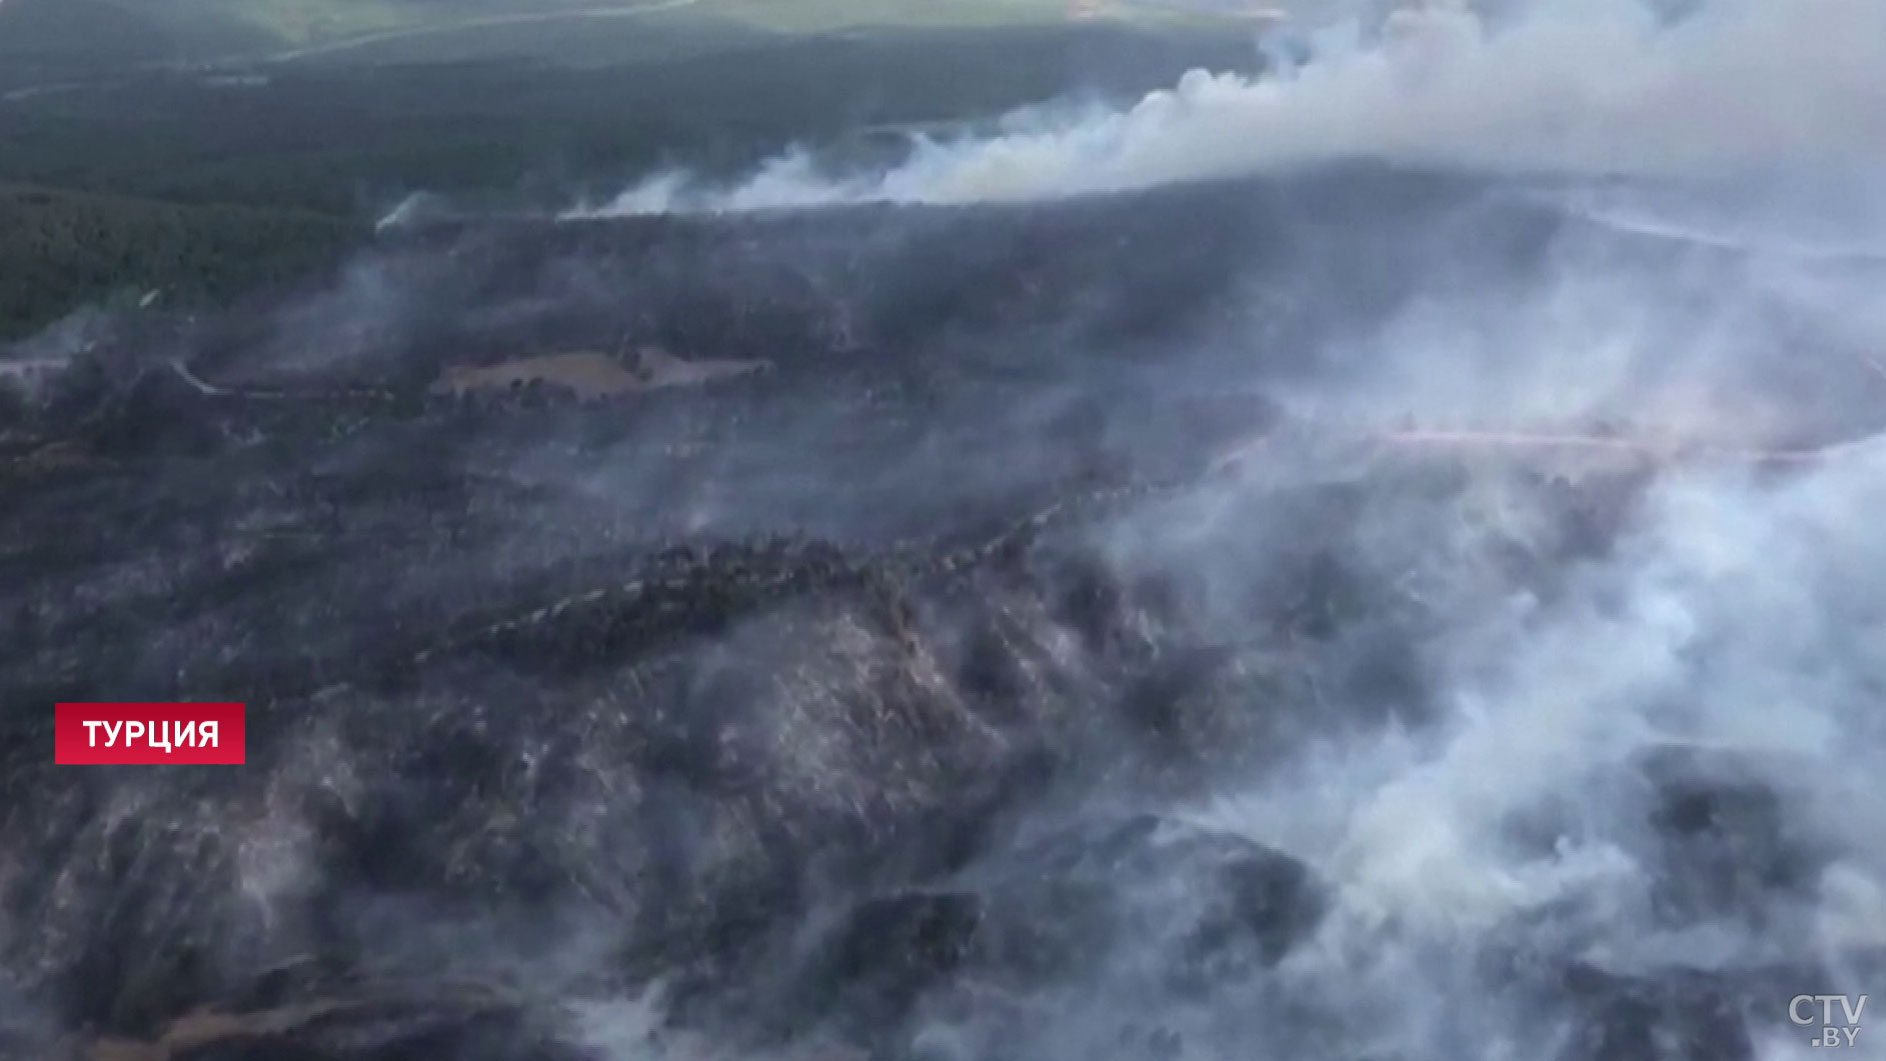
(149, 735)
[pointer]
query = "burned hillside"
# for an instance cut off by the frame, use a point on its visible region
(968, 683)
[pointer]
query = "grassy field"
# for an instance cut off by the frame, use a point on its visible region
(815, 16)
(311, 21)
(118, 31)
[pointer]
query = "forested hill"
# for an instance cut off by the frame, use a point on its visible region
(58, 248)
(200, 179)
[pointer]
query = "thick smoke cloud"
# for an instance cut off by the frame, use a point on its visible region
(1734, 624)
(1561, 86)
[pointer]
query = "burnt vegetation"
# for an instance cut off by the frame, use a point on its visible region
(864, 690)
(835, 704)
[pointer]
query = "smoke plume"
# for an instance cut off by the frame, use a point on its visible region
(1560, 87)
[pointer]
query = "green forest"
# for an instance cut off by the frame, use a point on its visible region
(60, 249)
(119, 170)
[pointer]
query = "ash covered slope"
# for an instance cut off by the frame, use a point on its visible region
(1075, 646)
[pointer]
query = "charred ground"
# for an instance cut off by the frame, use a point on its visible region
(842, 703)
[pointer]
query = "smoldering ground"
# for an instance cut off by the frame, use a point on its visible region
(1358, 613)
(1231, 714)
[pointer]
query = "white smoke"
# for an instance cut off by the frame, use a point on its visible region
(1566, 87)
